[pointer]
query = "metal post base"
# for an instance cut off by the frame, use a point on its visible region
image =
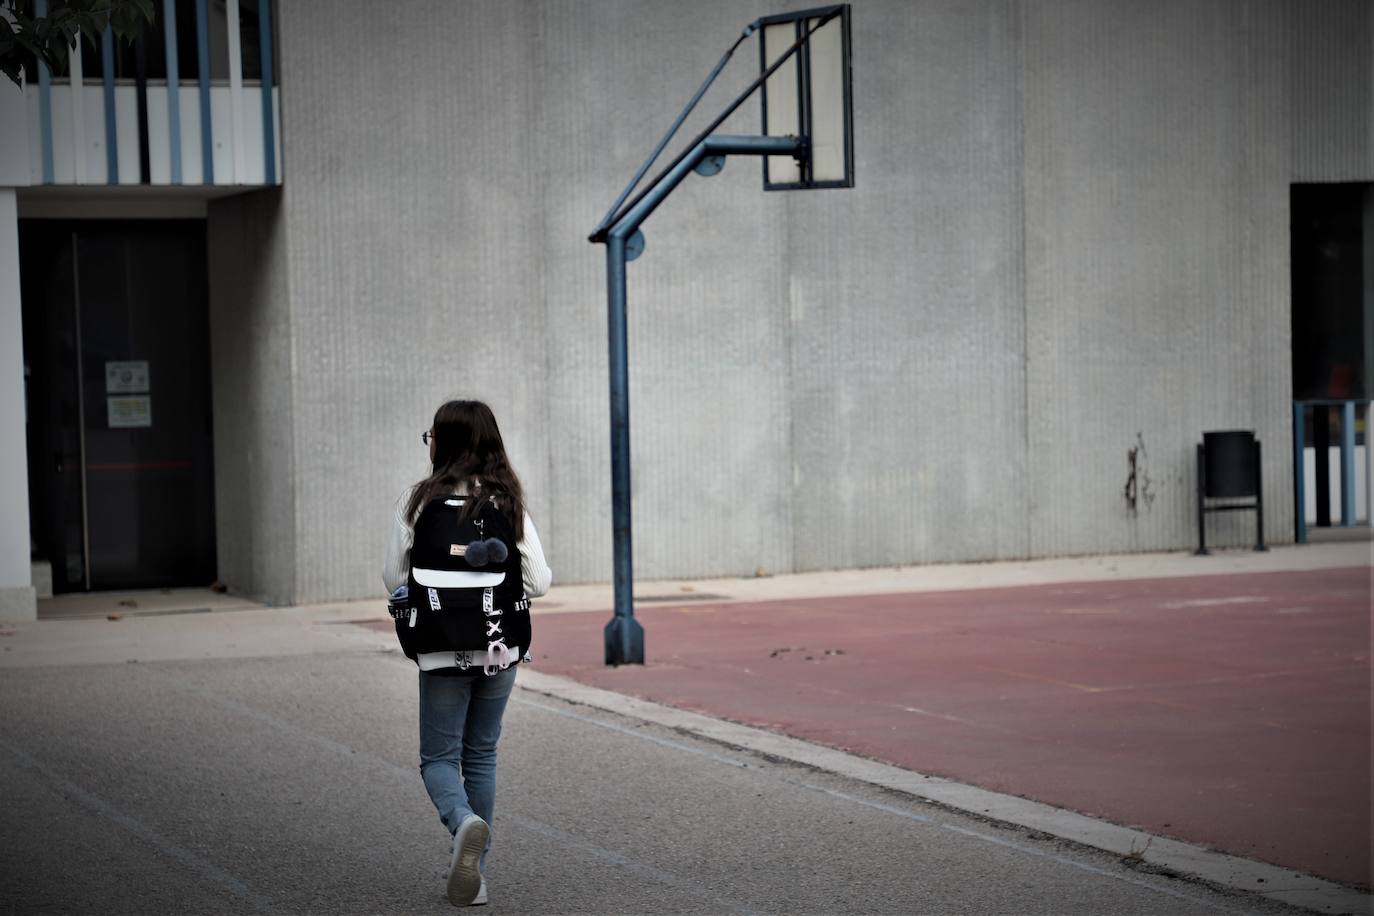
(1202, 550)
(624, 641)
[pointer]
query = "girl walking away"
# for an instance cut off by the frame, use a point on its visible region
(463, 560)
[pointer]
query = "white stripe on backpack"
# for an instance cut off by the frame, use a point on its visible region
(450, 578)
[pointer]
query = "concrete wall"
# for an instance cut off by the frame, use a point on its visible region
(254, 396)
(904, 303)
(1157, 284)
(1331, 61)
(1068, 241)
(17, 594)
(415, 254)
(17, 599)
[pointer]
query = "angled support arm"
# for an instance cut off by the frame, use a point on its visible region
(724, 145)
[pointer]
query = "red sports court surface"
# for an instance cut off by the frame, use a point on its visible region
(1229, 711)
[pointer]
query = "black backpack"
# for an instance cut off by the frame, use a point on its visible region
(465, 592)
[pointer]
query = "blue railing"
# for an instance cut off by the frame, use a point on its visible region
(1320, 409)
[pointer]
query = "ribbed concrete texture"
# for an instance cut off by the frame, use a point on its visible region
(253, 395)
(1332, 60)
(17, 600)
(1067, 250)
(908, 382)
(1156, 268)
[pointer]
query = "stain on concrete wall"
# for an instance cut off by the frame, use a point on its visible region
(1139, 489)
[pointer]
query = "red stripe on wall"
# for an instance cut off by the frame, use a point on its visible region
(142, 466)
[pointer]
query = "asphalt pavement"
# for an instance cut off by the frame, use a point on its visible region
(288, 783)
(248, 759)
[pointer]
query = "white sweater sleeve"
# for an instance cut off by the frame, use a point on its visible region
(534, 569)
(396, 568)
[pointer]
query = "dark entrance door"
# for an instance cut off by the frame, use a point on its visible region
(116, 352)
(1329, 310)
(1333, 336)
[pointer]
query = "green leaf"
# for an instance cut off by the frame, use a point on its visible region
(26, 39)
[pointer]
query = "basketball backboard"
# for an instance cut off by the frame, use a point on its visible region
(809, 96)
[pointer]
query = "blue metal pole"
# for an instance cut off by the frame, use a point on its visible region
(107, 79)
(207, 150)
(1348, 464)
(1368, 464)
(169, 30)
(1299, 475)
(624, 635)
(40, 10)
(269, 140)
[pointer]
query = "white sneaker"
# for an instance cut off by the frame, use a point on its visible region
(481, 897)
(464, 878)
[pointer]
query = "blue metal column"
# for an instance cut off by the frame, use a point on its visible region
(1368, 464)
(107, 79)
(269, 140)
(169, 33)
(624, 635)
(1348, 464)
(1299, 476)
(207, 152)
(40, 9)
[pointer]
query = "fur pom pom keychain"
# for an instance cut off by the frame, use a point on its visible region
(489, 550)
(485, 550)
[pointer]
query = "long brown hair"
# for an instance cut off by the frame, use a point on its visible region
(468, 451)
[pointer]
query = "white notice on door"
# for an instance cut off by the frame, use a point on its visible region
(126, 377)
(130, 412)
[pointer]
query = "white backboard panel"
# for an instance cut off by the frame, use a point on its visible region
(781, 113)
(808, 95)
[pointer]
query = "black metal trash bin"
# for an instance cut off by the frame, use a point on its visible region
(1228, 468)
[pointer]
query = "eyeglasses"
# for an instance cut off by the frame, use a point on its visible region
(425, 436)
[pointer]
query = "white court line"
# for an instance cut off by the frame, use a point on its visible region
(1212, 602)
(1028, 850)
(664, 742)
(890, 809)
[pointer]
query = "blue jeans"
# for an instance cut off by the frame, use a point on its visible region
(460, 722)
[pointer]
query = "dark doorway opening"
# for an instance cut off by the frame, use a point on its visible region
(116, 356)
(1328, 291)
(1333, 345)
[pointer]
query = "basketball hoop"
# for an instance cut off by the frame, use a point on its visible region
(807, 144)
